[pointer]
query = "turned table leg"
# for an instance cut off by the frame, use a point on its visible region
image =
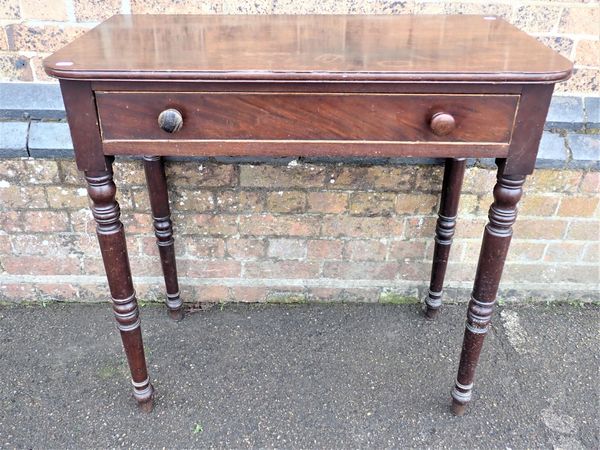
(111, 237)
(496, 240)
(163, 229)
(454, 171)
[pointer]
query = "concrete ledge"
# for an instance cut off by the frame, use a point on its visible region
(552, 151)
(50, 139)
(13, 139)
(585, 149)
(151, 290)
(31, 101)
(566, 112)
(592, 112)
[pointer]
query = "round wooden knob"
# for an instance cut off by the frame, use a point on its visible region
(442, 123)
(170, 120)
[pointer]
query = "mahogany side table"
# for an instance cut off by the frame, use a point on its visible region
(455, 87)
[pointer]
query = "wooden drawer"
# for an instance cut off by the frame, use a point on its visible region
(243, 123)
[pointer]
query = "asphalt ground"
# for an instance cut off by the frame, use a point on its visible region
(299, 376)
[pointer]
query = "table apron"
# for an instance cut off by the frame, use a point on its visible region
(367, 149)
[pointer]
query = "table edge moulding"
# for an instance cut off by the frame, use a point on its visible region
(449, 86)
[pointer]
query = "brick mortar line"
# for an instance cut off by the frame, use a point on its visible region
(125, 6)
(62, 24)
(141, 188)
(387, 239)
(583, 66)
(575, 93)
(556, 25)
(303, 214)
(259, 260)
(173, 201)
(285, 282)
(575, 36)
(70, 7)
(243, 262)
(524, 3)
(149, 233)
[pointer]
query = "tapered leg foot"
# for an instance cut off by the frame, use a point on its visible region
(163, 229)
(147, 406)
(144, 394)
(494, 247)
(176, 314)
(431, 313)
(454, 171)
(458, 409)
(174, 305)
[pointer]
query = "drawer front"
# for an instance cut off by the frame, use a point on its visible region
(307, 117)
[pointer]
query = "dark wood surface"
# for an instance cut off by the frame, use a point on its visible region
(445, 86)
(417, 48)
(528, 128)
(494, 247)
(84, 125)
(454, 172)
(158, 194)
(306, 116)
(111, 237)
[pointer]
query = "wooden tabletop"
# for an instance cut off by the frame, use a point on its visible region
(337, 48)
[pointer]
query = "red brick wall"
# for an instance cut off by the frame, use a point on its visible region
(297, 232)
(303, 232)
